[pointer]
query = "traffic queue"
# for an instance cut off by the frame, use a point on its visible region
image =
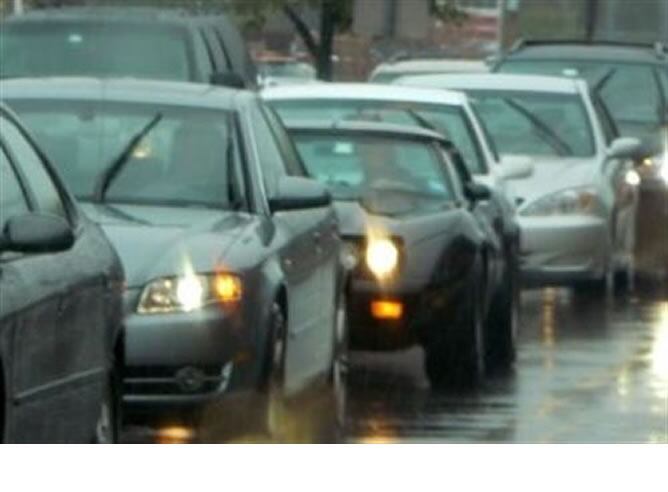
(173, 234)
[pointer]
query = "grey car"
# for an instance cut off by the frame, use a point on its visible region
(233, 270)
(60, 306)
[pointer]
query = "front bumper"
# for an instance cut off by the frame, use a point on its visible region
(563, 250)
(426, 309)
(180, 359)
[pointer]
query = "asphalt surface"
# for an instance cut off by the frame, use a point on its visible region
(588, 370)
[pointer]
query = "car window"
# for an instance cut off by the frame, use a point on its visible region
(536, 123)
(293, 161)
(41, 185)
(618, 94)
(271, 156)
(188, 158)
(448, 120)
(202, 52)
(12, 200)
(391, 175)
(215, 49)
(630, 92)
(608, 126)
(93, 49)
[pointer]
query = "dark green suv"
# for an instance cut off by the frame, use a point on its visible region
(632, 80)
(146, 43)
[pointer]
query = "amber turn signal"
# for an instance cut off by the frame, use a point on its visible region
(228, 288)
(387, 309)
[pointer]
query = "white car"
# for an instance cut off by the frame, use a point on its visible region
(447, 112)
(389, 71)
(577, 210)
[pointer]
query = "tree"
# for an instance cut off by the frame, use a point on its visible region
(334, 16)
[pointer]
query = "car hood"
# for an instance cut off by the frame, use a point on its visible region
(161, 241)
(553, 174)
(355, 221)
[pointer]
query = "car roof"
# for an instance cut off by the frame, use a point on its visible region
(427, 64)
(368, 127)
(111, 14)
(363, 91)
(602, 51)
(123, 90)
(495, 81)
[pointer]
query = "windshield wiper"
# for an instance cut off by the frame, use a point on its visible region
(117, 164)
(598, 85)
(544, 129)
(421, 120)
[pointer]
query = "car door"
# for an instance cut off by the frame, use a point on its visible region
(485, 215)
(58, 341)
(304, 262)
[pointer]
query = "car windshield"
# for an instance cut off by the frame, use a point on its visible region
(389, 176)
(92, 49)
(450, 121)
(286, 69)
(535, 123)
(187, 158)
(628, 89)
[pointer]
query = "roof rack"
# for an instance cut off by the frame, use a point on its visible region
(660, 49)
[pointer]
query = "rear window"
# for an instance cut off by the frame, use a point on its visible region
(94, 49)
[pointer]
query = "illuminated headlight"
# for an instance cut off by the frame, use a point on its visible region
(382, 257)
(189, 293)
(656, 167)
(349, 256)
(575, 201)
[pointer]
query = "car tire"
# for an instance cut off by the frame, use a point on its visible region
(457, 360)
(340, 363)
(108, 424)
(502, 325)
(275, 407)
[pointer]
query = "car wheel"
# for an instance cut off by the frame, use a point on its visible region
(108, 425)
(502, 325)
(275, 414)
(457, 359)
(340, 362)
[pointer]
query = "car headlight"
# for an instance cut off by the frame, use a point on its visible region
(656, 167)
(574, 201)
(189, 293)
(382, 257)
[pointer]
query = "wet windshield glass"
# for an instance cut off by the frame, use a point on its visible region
(450, 121)
(388, 175)
(286, 69)
(535, 123)
(629, 90)
(188, 158)
(92, 49)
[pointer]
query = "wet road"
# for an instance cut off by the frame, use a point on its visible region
(588, 371)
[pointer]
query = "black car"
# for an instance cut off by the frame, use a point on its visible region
(60, 306)
(234, 279)
(631, 79)
(427, 265)
(152, 43)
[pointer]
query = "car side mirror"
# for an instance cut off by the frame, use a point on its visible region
(296, 193)
(228, 79)
(625, 148)
(515, 167)
(477, 192)
(37, 233)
